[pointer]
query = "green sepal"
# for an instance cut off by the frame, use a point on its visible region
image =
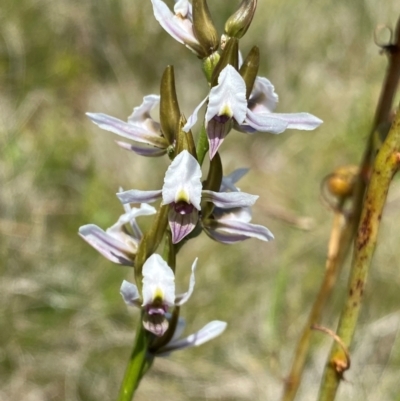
(169, 107)
(169, 253)
(150, 242)
(230, 55)
(203, 27)
(212, 183)
(249, 69)
(184, 140)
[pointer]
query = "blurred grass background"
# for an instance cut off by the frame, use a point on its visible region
(65, 333)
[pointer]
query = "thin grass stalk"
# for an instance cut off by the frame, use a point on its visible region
(331, 272)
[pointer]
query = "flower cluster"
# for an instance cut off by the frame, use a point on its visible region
(189, 203)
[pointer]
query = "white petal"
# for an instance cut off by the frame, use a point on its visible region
(179, 27)
(207, 333)
(111, 248)
(231, 231)
(228, 98)
(132, 214)
(181, 299)
(301, 121)
(229, 199)
(182, 181)
(193, 118)
(265, 122)
(263, 96)
(136, 196)
(158, 279)
(129, 293)
(127, 130)
(142, 149)
(141, 113)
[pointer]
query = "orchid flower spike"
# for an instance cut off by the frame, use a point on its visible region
(158, 293)
(206, 333)
(179, 24)
(140, 128)
(228, 106)
(233, 225)
(182, 191)
(116, 244)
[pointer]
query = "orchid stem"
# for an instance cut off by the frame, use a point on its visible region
(137, 365)
(202, 145)
(386, 164)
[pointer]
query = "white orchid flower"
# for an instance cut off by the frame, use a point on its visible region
(158, 293)
(179, 24)
(182, 190)
(140, 128)
(233, 225)
(115, 243)
(228, 106)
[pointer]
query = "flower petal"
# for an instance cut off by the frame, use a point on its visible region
(232, 231)
(264, 122)
(127, 130)
(179, 26)
(130, 293)
(216, 133)
(182, 224)
(228, 98)
(182, 298)
(182, 181)
(111, 248)
(136, 196)
(141, 114)
(229, 199)
(191, 121)
(155, 323)
(207, 333)
(158, 280)
(142, 150)
(263, 96)
(302, 121)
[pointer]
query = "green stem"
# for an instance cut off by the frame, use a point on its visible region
(137, 366)
(202, 145)
(386, 164)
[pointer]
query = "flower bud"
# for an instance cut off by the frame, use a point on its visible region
(169, 108)
(230, 55)
(249, 69)
(238, 23)
(203, 27)
(209, 63)
(341, 182)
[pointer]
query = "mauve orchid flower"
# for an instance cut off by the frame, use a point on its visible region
(158, 293)
(140, 128)
(182, 190)
(116, 244)
(228, 106)
(233, 225)
(179, 24)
